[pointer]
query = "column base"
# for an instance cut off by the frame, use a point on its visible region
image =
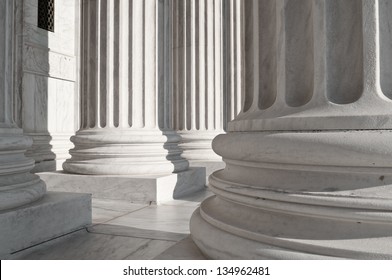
(196, 145)
(125, 152)
(54, 215)
(147, 189)
(299, 195)
(227, 230)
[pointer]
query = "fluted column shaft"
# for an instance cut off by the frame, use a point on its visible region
(201, 109)
(308, 170)
(197, 76)
(17, 186)
(125, 96)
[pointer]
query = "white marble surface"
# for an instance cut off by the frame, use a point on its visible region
(90, 246)
(52, 216)
(186, 249)
(46, 73)
(144, 189)
(122, 230)
(167, 218)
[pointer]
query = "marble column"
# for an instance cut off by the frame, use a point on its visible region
(17, 186)
(308, 160)
(125, 127)
(206, 81)
(197, 76)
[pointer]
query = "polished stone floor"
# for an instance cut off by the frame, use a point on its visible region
(122, 230)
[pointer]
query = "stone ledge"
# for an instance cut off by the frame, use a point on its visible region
(54, 215)
(149, 189)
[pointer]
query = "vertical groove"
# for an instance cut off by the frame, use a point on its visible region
(210, 65)
(137, 70)
(196, 61)
(174, 28)
(6, 62)
(89, 81)
(218, 65)
(116, 62)
(110, 63)
(344, 50)
(251, 52)
(267, 53)
(143, 62)
(202, 65)
(93, 62)
(150, 63)
(232, 60)
(192, 67)
(168, 62)
(385, 25)
(85, 67)
(102, 78)
(187, 65)
(130, 63)
(163, 65)
(123, 63)
(299, 52)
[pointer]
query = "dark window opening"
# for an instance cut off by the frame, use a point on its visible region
(46, 14)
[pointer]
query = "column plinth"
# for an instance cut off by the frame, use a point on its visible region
(308, 170)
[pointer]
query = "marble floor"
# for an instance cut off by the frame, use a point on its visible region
(125, 231)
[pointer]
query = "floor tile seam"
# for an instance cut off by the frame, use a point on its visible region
(126, 213)
(138, 237)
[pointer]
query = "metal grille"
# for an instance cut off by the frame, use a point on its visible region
(46, 14)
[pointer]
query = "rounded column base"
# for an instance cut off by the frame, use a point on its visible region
(18, 186)
(304, 195)
(197, 146)
(125, 152)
